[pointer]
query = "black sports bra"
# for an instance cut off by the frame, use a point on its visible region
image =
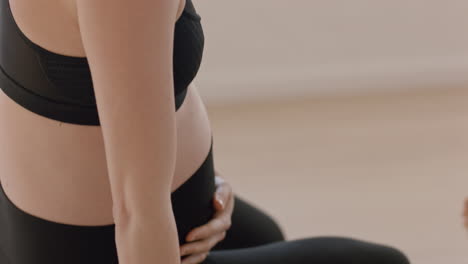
(60, 87)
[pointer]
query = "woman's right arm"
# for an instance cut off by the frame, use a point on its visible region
(129, 47)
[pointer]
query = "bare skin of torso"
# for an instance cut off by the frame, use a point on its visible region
(56, 170)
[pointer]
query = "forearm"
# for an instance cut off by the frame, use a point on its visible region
(147, 239)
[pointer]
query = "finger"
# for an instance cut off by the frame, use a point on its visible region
(215, 225)
(228, 206)
(218, 204)
(222, 195)
(221, 221)
(228, 209)
(201, 246)
(195, 259)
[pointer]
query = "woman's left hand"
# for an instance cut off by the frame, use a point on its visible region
(203, 238)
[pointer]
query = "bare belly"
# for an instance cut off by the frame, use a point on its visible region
(57, 171)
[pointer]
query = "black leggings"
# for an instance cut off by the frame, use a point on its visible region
(255, 238)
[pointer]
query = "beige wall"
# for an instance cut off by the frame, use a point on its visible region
(276, 48)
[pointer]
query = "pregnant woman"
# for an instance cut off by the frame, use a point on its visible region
(106, 146)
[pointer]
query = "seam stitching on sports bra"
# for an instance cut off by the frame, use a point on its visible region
(38, 95)
(45, 74)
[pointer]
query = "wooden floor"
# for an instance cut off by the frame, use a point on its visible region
(387, 168)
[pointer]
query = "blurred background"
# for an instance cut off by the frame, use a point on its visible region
(344, 118)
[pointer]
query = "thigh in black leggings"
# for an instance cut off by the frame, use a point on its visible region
(250, 227)
(256, 238)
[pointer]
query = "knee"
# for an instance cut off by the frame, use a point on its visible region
(388, 255)
(374, 253)
(348, 250)
(273, 228)
(250, 219)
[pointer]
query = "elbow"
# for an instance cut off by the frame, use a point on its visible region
(120, 214)
(125, 212)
